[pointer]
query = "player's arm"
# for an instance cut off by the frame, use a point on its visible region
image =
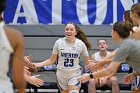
(53, 58)
(92, 56)
(86, 59)
(48, 62)
(106, 60)
(17, 42)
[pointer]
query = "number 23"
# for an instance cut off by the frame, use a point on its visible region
(68, 62)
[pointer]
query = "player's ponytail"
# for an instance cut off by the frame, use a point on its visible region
(2, 5)
(81, 35)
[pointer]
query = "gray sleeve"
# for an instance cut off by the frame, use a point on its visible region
(123, 52)
(55, 47)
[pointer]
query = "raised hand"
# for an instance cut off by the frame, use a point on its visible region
(91, 65)
(127, 79)
(34, 80)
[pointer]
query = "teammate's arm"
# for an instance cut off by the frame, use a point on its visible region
(106, 60)
(18, 61)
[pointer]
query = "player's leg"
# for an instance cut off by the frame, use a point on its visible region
(73, 89)
(113, 83)
(92, 85)
(73, 84)
(62, 81)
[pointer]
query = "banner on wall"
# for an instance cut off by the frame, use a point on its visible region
(86, 12)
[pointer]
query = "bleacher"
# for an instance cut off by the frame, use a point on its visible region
(39, 41)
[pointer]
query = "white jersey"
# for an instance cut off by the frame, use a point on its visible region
(69, 54)
(97, 56)
(6, 50)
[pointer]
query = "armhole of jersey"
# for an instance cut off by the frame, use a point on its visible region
(6, 37)
(7, 40)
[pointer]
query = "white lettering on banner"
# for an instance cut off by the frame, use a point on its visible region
(29, 12)
(101, 10)
(57, 11)
(31, 17)
(114, 11)
(81, 7)
(126, 6)
(136, 1)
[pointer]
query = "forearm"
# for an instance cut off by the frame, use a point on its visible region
(103, 72)
(21, 90)
(44, 63)
(98, 65)
(27, 78)
(21, 87)
(105, 61)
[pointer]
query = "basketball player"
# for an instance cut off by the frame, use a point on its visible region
(11, 57)
(68, 50)
(135, 16)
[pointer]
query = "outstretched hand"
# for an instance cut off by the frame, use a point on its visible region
(90, 67)
(84, 78)
(26, 71)
(29, 64)
(127, 79)
(34, 80)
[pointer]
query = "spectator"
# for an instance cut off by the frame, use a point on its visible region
(110, 81)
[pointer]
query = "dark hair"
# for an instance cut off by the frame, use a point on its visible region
(136, 8)
(81, 35)
(127, 16)
(123, 28)
(101, 39)
(2, 5)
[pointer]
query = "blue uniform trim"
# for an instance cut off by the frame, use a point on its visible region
(77, 84)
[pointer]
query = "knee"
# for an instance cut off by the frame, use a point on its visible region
(114, 80)
(92, 82)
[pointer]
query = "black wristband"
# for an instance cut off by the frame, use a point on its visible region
(91, 76)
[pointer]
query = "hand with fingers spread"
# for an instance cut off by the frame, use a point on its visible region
(26, 71)
(29, 64)
(97, 65)
(29, 57)
(90, 66)
(127, 79)
(34, 80)
(84, 78)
